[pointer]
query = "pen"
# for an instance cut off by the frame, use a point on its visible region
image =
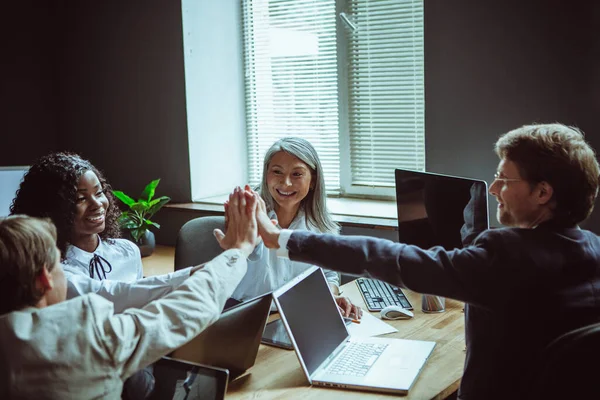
(356, 321)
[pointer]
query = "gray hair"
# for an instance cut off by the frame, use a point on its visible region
(314, 204)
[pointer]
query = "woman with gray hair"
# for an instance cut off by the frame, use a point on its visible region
(293, 188)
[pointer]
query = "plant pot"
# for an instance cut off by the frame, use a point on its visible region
(147, 243)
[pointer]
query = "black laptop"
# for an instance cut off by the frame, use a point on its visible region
(432, 208)
(232, 341)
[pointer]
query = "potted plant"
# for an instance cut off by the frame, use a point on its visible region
(136, 220)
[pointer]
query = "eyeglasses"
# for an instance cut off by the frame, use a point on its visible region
(497, 177)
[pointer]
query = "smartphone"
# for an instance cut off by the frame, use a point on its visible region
(276, 335)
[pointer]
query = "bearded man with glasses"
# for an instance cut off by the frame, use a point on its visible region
(546, 184)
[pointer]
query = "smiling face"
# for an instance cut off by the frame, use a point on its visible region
(519, 204)
(92, 205)
(289, 181)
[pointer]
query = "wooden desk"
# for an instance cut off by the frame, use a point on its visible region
(277, 373)
(161, 261)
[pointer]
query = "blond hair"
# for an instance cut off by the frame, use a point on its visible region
(27, 245)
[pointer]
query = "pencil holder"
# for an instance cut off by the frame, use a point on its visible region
(433, 304)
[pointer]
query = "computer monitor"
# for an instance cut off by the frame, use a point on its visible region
(431, 208)
(10, 180)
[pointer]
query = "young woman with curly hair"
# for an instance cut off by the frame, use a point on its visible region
(78, 199)
(76, 196)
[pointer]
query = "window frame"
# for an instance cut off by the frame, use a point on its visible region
(346, 188)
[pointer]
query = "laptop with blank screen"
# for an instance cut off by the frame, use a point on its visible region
(232, 341)
(176, 379)
(432, 208)
(10, 180)
(329, 356)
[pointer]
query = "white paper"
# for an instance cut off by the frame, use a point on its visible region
(370, 326)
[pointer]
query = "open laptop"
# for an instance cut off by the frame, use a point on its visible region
(10, 180)
(329, 356)
(232, 341)
(179, 380)
(432, 208)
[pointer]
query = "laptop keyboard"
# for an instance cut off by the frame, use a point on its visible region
(357, 359)
(378, 294)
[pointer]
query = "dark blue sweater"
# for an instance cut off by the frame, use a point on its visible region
(522, 288)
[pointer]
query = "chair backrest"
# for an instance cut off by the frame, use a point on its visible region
(196, 243)
(565, 370)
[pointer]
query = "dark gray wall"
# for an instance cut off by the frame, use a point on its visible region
(493, 66)
(27, 82)
(591, 64)
(123, 100)
(104, 79)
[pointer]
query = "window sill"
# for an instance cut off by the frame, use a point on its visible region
(377, 214)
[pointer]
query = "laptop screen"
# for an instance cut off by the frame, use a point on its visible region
(175, 379)
(431, 207)
(10, 180)
(232, 341)
(295, 305)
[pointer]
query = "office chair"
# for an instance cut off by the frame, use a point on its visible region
(568, 366)
(196, 243)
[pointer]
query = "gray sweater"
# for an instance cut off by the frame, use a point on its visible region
(81, 349)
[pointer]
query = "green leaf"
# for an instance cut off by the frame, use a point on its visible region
(138, 233)
(137, 219)
(151, 223)
(128, 220)
(128, 201)
(148, 192)
(156, 205)
(140, 207)
(124, 216)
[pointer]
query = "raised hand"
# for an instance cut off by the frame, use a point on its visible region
(225, 206)
(267, 228)
(242, 231)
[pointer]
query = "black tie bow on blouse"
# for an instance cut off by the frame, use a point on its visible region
(100, 266)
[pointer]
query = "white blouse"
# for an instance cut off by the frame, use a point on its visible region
(113, 271)
(116, 260)
(267, 271)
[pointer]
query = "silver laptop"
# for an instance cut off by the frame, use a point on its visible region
(329, 356)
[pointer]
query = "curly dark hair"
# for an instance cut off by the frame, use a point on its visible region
(49, 190)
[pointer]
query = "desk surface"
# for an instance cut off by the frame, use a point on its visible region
(277, 373)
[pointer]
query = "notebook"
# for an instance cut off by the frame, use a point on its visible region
(232, 341)
(431, 208)
(326, 351)
(179, 380)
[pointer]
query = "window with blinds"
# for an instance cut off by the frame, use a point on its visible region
(385, 90)
(354, 91)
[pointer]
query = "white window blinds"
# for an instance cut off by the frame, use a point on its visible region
(386, 89)
(291, 79)
(295, 63)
